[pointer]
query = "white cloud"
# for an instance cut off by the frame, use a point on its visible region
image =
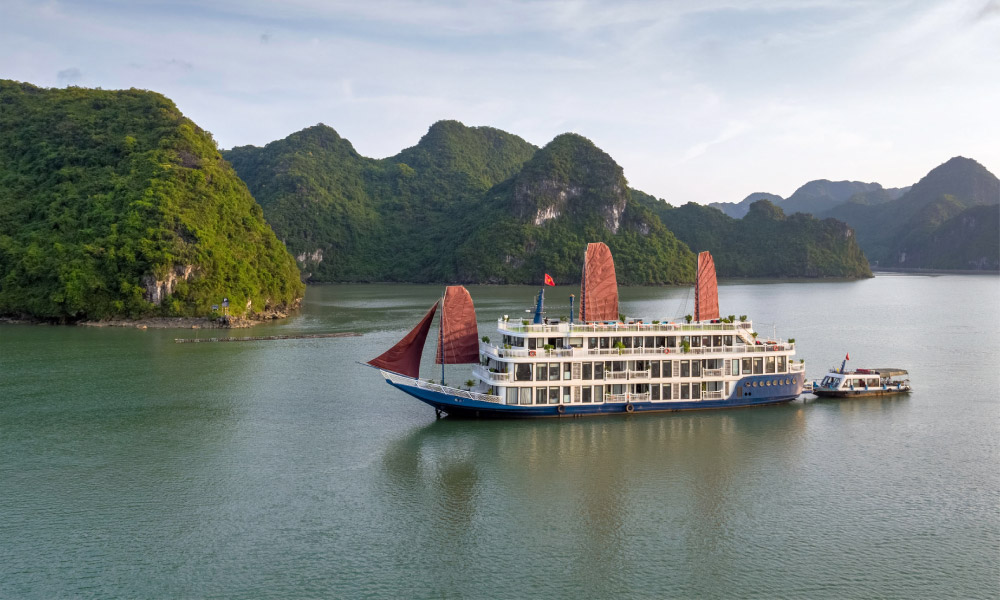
(701, 101)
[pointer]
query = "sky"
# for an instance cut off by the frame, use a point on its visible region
(704, 101)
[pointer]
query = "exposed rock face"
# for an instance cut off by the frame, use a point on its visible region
(157, 290)
(316, 256)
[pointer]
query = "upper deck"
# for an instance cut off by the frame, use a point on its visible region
(610, 327)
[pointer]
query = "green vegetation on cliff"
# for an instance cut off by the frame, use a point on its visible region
(766, 243)
(112, 203)
(569, 194)
(909, 231)
(351, 218)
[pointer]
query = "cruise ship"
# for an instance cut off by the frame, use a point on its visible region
(599, 363)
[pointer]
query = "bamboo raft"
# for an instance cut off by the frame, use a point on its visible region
(302, 336)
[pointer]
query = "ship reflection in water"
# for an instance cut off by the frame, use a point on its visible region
(676, 485)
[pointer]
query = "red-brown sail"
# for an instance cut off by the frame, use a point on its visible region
(458, 335)
(706, 293)
(404, 357)
(599, 287)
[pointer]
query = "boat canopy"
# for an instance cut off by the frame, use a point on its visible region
(890, 372)
(458, 335)
(706, 297)
(404, 357)
(599, 286)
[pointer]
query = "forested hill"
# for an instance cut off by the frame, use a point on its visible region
(351, 218)
(766, 242)
(112, 203)
(475, 204)
(924, 227)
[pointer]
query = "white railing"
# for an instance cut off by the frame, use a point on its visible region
(443, 389)
(672, 353)
(486, 374)
(616, 374)
(711, 372)
(638, 374)
(612, 326)
(615, 397)
(643, 397)
(711, 395)
(796, 367)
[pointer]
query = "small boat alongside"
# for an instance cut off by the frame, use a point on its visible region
(598, 363)
(840, 383)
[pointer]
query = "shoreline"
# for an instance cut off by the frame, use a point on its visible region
(227, 322)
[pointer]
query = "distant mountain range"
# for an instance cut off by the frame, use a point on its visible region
(476, 204)
(949, 220)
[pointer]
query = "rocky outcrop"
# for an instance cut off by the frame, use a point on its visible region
(157, 290)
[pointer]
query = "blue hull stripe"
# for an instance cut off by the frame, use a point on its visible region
(742, 397)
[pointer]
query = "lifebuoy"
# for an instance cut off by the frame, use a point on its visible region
(666, 350)
(561, 409)
(629, 408)
(531, 352)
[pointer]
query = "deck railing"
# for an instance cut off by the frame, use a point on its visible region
(486, 374)
(443, 389)
(671, 353)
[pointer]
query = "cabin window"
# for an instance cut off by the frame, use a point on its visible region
(781, 365)
(654, 369)
(541, 372)
(661, 341)
(654, 392)
(769, 364)
(667, 370)
(671, 341)
(576, 342)
(598, 370)
(685, 391)
(541, 395)
(666, 391)
(696, 341)
(567, 396)
(717, 341)
(727, 340)
(587, 393)
(758, 366)
(567, 371)
(695, 368)
(511, 395)
(685, 368)
(525, 394)
(696, 391)
(650, 342)
(736, 366)
(598, 393)
(627, 341)
(522, 372)
(747, 365)
(605, 343)
(553, 371)
(592, 343)
(532, 343)
(588, 371)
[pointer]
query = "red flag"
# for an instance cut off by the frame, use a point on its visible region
(848, 357)
(549, 280)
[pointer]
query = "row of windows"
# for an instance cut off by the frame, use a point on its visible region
(768, 382)
(657, 369)
(589, 394)
(628, 341)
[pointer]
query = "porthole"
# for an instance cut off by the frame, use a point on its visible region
(754, 384)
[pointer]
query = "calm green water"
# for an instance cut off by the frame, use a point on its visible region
(131, 466)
